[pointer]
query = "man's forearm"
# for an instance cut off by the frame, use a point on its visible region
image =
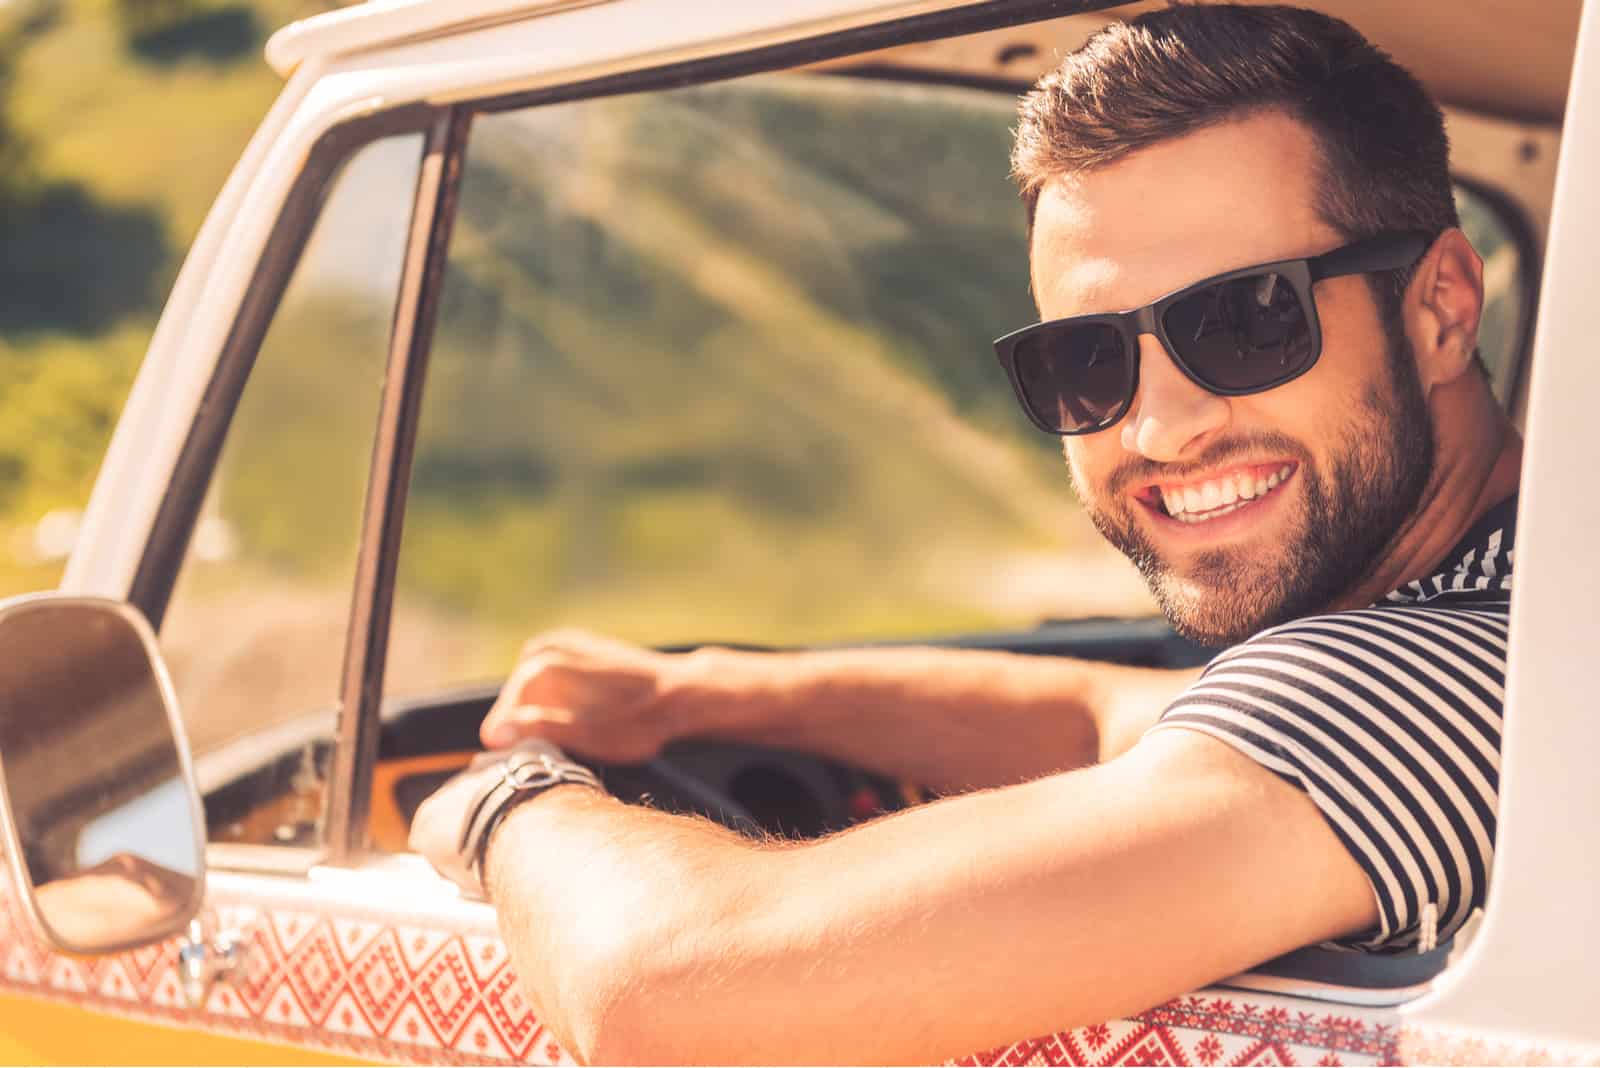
(643, 937)
(950, 719)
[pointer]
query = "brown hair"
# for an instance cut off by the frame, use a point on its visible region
(1166, 73)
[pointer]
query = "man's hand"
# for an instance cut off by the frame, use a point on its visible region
(437, 826)
(603, 698)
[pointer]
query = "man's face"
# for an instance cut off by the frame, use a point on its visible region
(1288, 495)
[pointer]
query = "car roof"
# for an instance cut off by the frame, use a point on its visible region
(1507, 58)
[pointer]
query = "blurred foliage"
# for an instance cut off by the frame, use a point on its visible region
(54, 266)
(19, 20)
(169, 31)
(108, 163)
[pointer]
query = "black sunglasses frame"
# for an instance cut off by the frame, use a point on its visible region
(1381, 253)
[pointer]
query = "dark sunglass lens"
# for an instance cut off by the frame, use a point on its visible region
(1073, 376)
(1243, 334)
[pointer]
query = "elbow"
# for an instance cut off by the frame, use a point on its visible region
(648, 1009)
(654, 980)
(618, 1000)
(669, 997)
(623, 1037)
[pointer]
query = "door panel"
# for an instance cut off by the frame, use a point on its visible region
(329, 967)
(1217, 1027)
(389, 965)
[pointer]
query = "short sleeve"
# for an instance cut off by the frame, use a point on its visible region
(1389, 719)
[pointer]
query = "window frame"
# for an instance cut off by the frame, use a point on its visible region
(355, 752)
(167, 546)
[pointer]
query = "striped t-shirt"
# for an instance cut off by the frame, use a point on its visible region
(1389, 718)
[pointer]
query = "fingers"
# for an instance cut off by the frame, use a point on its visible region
(507, 726)
(580, 691)
(539, 680)
(569, 641)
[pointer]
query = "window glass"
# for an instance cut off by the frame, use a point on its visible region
(1500, 333)
(255, 632)
(715, 364)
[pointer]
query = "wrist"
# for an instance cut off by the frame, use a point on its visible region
(517, 779)
(523, 817)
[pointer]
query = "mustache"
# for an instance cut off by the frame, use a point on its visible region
(1138, 471)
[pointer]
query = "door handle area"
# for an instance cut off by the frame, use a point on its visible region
(203, 961)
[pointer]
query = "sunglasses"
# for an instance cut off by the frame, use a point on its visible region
(1237, 333)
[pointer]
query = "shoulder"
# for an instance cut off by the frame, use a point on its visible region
(1446, 649)
(1385, 677)
(1389, 719)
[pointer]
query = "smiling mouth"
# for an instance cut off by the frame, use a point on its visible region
(1213, 498)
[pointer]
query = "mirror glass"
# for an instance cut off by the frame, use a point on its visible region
(102, 815)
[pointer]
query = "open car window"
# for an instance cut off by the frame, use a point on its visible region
(714, 364)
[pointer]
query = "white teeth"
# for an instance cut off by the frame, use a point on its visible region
(1192, 504)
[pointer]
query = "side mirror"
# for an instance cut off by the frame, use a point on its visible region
(98, 806)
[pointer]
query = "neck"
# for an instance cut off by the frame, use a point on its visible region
(1479, 459)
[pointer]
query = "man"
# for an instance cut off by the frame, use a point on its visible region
(1257, 343)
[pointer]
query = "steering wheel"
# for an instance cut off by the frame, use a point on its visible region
(692, 795)
(748, 789)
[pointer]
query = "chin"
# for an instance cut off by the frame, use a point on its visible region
(1218, 613)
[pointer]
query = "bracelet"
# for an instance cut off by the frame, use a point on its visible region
(522, 776)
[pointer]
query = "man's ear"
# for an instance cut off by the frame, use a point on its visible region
(1443, 304)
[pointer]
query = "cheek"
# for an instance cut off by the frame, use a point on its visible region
(1318, 408)
(1086, 467)
(1354, 346)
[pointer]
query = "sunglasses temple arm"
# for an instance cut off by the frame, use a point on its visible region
(1382, 253)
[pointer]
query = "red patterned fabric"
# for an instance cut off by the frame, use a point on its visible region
(1234, 1029)
(345, 983)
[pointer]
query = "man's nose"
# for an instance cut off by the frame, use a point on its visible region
(1171, 416)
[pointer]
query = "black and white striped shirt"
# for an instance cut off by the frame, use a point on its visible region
(1389, 718)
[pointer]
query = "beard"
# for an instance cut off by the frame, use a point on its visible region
(1379, 469)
